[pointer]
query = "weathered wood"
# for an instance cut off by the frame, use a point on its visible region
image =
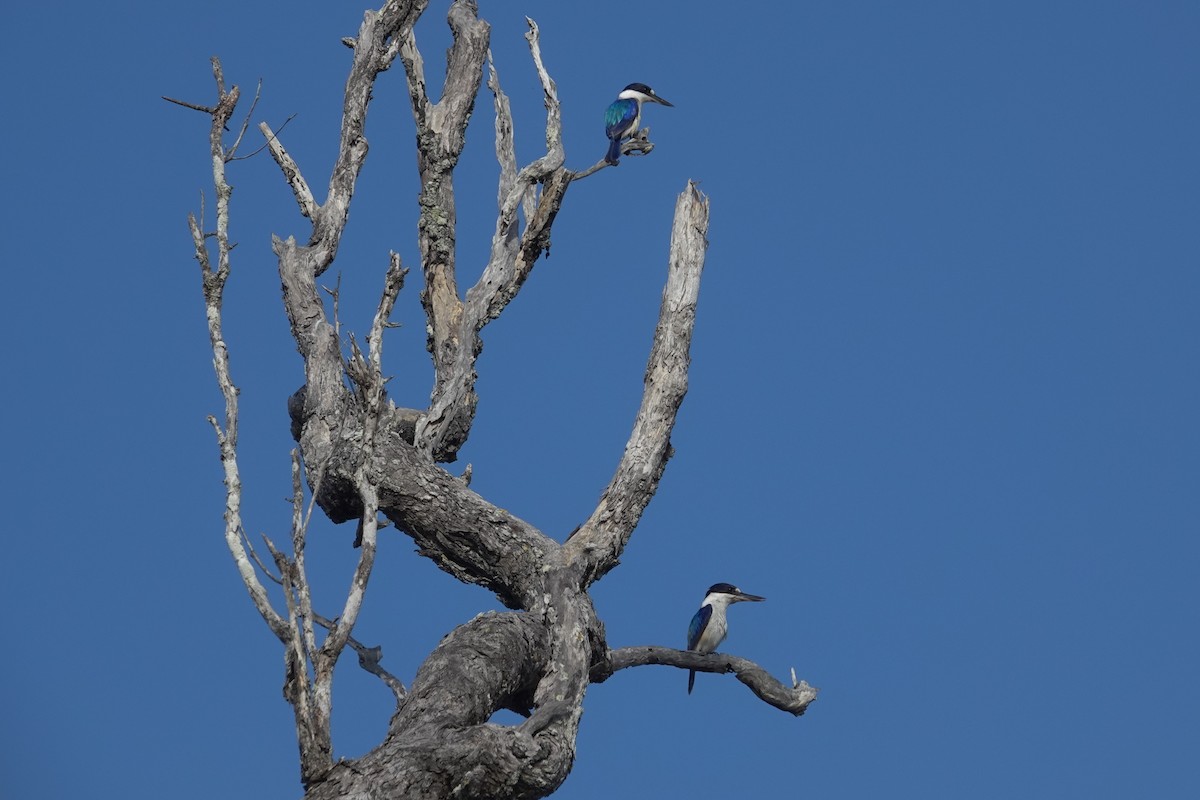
(363, 458)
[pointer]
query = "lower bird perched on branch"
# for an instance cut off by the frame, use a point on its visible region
(708, 627)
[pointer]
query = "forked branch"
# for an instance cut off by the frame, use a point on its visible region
(455, 324)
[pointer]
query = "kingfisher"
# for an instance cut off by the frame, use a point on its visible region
(708, 627)
(621, 120)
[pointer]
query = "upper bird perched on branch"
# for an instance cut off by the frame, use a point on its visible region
(623, 117)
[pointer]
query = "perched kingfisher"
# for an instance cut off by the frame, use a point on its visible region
(708, 627)
(621, 120)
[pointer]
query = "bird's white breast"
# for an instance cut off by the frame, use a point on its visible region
(714, 632)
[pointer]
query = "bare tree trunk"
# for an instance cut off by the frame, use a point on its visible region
(361, 456)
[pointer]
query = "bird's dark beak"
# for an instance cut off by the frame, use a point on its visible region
(658, 99)
(743, 596)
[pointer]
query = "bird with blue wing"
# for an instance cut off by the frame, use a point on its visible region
(709, 627)
(623, 118)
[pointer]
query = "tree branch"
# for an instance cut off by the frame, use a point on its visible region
(599, 542)
(291, 172)
(452, 407)
(370, 659)
(214, 286)
(441, 135)
(296, 576)
(311, 715)
(373, 53)
(370, 381)
(794, 699)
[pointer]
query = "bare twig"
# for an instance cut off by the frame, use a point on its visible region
(374, 49)
(258, 560)
(594, 168)
(265, 144)
(505, 238)
(299, 538)
(393, 283)
(193, 106)
(370, 659)
(229, 154)
(311, 715)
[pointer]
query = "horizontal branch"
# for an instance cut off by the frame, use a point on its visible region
(794, 699)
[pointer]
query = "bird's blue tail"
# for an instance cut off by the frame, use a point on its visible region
(614, 152)
(691, 680)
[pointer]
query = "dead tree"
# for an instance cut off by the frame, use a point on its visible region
(361, 457)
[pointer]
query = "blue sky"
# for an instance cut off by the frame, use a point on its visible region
(943, 408)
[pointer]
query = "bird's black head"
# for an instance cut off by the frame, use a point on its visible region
(647, 93)
(732, 593)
